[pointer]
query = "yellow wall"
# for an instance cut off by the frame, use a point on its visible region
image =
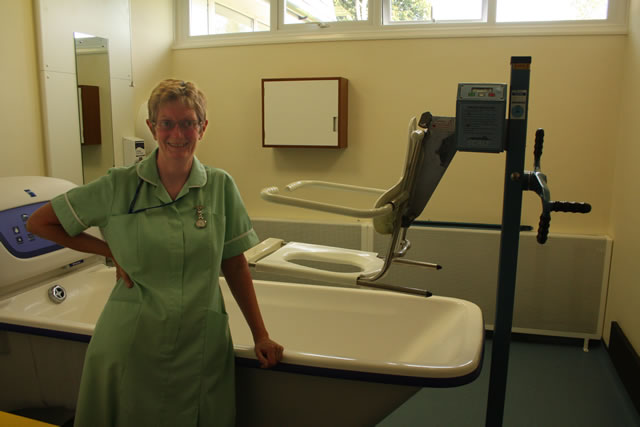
(623, 304)
(151, 39)
(574, 96)
(22, 145)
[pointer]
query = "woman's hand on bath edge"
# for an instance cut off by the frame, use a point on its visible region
(236, 271)
(269, 352)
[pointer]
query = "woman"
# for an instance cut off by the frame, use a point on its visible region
(161, 353)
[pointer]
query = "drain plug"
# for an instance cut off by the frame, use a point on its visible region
(57, 294)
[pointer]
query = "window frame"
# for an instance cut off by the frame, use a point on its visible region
(378, 27)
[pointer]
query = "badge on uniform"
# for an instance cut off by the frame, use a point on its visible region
(200, 222)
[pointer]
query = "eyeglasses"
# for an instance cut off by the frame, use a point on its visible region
(185, 125)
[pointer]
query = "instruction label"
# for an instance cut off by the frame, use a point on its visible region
(518, 104)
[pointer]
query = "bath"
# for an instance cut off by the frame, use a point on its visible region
(351, 355)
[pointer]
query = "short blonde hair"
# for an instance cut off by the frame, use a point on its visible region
(177, 90)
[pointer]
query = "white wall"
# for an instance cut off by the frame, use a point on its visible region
(152, 37)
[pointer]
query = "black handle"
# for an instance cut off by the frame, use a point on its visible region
(543, 228)
(574, 207)
(537, 149)
(425, 120)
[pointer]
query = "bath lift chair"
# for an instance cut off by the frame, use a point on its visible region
(431, 147)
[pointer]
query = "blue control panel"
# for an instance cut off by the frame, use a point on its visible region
(15, 237)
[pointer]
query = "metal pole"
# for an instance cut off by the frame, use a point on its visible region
(509, 238)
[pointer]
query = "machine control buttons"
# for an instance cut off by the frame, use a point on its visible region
(16, 239)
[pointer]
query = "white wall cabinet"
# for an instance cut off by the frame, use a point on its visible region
(304, 112)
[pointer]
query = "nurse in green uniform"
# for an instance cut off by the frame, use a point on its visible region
(161, 353)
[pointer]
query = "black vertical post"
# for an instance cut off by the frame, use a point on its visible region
(509, 238)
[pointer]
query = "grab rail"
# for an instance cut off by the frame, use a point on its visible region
(271, 194)
(312, 183)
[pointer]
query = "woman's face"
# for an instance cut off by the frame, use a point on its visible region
(177, 131)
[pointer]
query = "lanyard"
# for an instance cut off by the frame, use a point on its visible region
(135, 198)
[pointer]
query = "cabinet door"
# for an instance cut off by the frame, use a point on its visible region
(304, 112)
(90, 114)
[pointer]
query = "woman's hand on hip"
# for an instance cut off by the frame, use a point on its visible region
(269, 352)
(121, 274)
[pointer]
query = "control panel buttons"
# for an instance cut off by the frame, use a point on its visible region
(16, 239)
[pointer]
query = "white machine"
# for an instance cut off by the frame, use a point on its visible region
(25, 257)
(37, 369)
(132, 150)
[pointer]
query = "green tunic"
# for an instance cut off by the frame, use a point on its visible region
(161, 353)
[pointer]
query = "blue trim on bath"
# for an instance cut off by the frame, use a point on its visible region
(44, 332)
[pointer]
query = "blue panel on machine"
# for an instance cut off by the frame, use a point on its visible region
(15, 237)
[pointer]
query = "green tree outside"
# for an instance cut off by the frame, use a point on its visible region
(401, 10)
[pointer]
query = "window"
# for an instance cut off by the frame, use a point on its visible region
(228, 22)
(435, 10)
(550, 10)
(323, 11)
(228, 16)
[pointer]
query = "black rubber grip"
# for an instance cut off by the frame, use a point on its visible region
(543, 228)
(574, 207)
(425, 120)
(537, 148)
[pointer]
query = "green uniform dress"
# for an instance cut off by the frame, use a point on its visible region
(161, 353)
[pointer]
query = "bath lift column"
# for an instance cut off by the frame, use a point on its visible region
(516, 181)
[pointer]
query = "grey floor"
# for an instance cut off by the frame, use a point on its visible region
(548, 385)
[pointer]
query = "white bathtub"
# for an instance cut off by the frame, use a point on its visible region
(351, 355)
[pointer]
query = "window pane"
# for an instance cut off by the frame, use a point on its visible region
(227, 20)
(550, 10)
(235, 16)
(435, 10)
(198, 18)
(302, 11)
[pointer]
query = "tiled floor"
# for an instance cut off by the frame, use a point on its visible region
(547, 386)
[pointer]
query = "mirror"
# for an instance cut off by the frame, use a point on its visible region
(94, 104)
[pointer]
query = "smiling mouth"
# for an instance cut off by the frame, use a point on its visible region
(172, 144)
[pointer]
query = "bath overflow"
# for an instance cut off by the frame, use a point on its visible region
(57, 294)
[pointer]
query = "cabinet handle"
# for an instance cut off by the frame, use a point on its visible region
(335, 123)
